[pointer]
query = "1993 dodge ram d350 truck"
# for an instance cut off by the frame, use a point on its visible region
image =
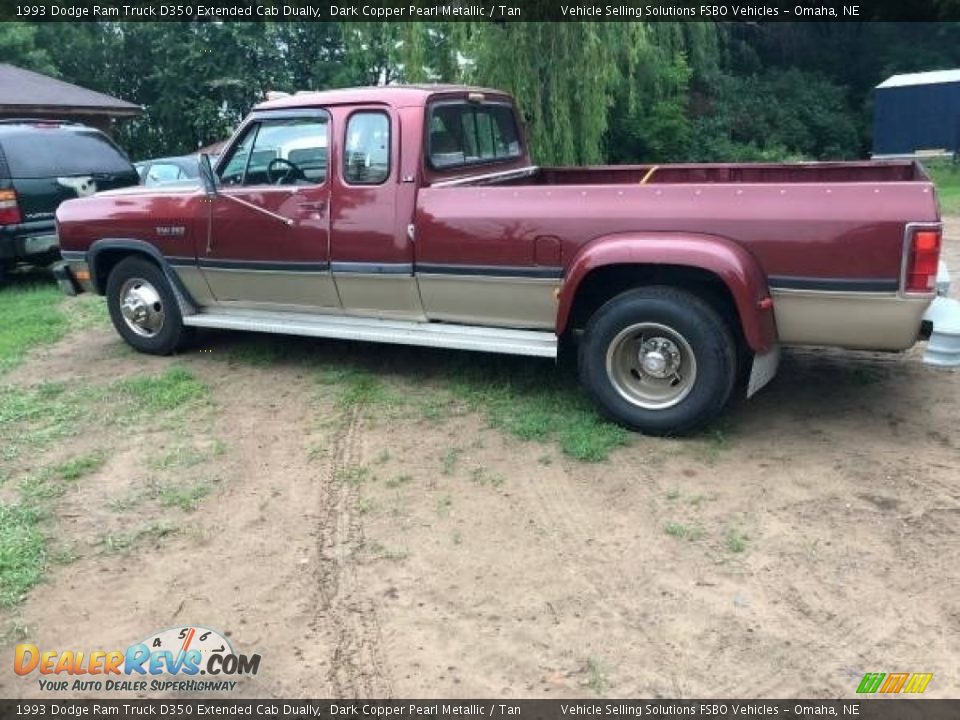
(415, 215)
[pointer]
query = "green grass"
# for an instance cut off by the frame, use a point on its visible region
(482, 476)
(177, 457)
(32, 418)
(88, 311)
(23, 556)
(399, 481)
(379, 551)
(596, 678)
(168, 391)
(30, 317)
(736, 541)
(682, 532)
(530, 400)
(22, 551)
(77, 467)
(946, 175)
(535, 402)
(121, 543)
(355, 475)
(451, 456)
(185, 497)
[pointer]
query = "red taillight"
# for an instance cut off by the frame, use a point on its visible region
(9, 209)
(923, 257)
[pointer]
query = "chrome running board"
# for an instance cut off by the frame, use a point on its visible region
(402, 332)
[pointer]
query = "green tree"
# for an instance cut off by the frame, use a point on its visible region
(19, 46)
(564, 75)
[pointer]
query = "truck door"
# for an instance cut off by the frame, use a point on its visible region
(268, 242)
(371, 254)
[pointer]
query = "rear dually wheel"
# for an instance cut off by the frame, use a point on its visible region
(658, 360)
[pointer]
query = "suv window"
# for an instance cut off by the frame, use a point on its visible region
(163, 172)
(287, 151)
(52, 152)
(366, 156)
(471, 133)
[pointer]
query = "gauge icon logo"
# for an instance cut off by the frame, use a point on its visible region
(201, 642)
(190, 650)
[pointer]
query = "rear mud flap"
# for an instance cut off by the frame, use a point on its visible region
(764, 368)
(943, 347)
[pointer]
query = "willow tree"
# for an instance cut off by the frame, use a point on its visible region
(564, 76)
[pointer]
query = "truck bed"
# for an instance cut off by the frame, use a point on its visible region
(818, 172)
(813, 222)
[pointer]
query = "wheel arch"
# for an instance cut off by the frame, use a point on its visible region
(104, 255)
(716, 269)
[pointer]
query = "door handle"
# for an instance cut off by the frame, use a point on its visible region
(318, 205)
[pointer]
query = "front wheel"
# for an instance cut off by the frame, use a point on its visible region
(143, 307)
(658, 360)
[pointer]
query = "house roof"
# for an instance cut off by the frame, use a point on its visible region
(936, 77)
(26, 91)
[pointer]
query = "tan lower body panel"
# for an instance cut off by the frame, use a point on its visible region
(497, 301)
(252, 287)
(195, 284)
(856, 320)
(379, 295)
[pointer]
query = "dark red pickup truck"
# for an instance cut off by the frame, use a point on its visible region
(415, 215)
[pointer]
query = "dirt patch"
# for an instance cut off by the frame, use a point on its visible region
(364, 549)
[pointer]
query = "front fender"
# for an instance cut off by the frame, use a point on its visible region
(133, 246)
(730, 262)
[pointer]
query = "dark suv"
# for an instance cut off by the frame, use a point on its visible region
(43, 163)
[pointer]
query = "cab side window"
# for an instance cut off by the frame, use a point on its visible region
(286, 151)
(366, 156)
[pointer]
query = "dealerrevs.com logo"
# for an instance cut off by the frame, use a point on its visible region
(185, 659)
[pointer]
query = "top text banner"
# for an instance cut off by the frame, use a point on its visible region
(478, 11)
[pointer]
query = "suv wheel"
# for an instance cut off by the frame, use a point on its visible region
(658, 360)
(143, 307)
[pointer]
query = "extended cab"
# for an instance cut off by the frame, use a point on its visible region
(415, 215)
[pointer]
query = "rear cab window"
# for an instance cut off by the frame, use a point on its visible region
(464, 133)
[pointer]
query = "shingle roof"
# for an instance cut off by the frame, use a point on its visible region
(22, 89)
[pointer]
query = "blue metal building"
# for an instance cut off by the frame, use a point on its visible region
(918, 113)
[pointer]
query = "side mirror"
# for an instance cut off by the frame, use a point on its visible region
(207, 176)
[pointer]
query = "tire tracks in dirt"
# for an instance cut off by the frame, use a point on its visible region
(358, 668)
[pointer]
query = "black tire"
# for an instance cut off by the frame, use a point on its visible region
(672, 320)
(171, 335)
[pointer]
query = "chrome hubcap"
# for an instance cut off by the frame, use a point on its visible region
(651, 366)
(141, 307)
